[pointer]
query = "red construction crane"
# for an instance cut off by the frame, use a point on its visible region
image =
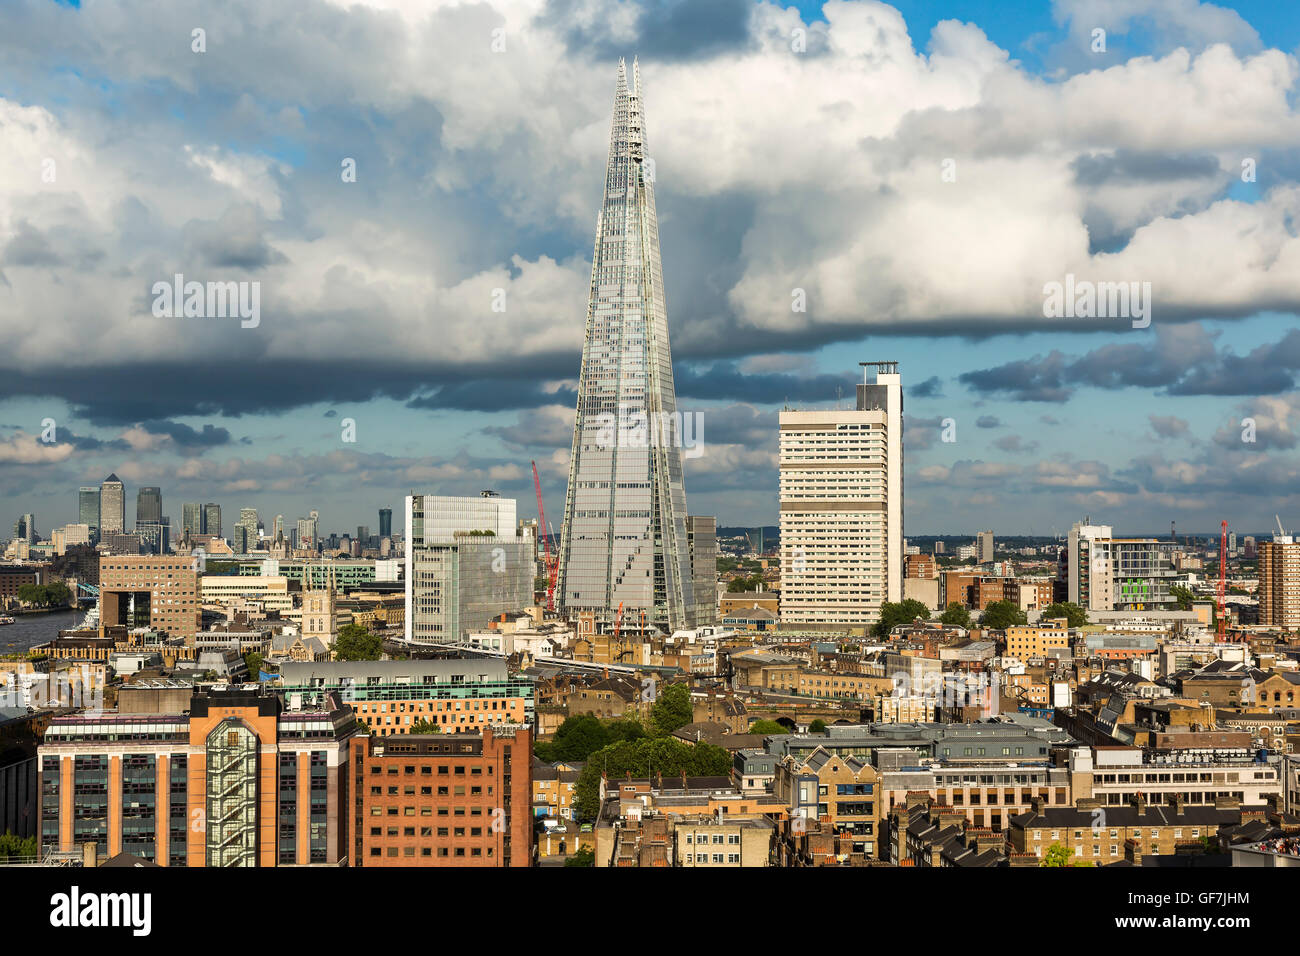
(618, 623)
(1223, 576)
(552, 564)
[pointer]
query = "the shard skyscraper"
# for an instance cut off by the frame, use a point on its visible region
(626, 538)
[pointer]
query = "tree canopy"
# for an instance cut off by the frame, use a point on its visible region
(355, 643)
(753, 583)
(1183, 596)
(1077, 616)
(904, 612)
(672, 709)
(45, 595)
(955, 615)
(769, 727)
(655, 755)
(1002, 614)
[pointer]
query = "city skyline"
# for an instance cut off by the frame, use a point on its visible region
(1054, 418)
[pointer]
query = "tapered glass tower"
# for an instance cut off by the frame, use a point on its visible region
(625, 540)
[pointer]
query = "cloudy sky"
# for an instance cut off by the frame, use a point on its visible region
(921, 171)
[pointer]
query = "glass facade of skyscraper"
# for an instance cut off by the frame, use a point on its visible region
(625, 540)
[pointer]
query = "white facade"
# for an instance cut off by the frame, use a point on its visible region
(1106, 573)
(271, 591)
(842, 507)
(466, 562)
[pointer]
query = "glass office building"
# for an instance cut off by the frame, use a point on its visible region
(625, 540)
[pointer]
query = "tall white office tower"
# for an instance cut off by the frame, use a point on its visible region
(842, 506)
(625, 541)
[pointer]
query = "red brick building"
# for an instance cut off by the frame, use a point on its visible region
(444, 800)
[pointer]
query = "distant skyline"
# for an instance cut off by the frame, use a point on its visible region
(919, 172)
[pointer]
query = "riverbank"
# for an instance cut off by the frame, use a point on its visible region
(25, 611)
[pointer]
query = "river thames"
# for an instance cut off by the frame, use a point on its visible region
(31, 629)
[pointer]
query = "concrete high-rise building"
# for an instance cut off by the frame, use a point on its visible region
(155, 592)
(191, 519)
(1249, 548)
(277, 531)
(148, 505)
(88, 509)
(842, 506)
(212, 519)
(385, 522)
(112, 505)
(1105, 573)
(624, 539)
(467, 562)
(1279, 581)
(985, 547)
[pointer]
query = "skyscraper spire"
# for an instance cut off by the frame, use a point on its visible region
(625, 540)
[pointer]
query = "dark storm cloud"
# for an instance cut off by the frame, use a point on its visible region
(988, 421)
(1181, 361)
(1037, 379)
(236, 240)
(724, 380)
(154, 391)
(932, 387)
(1128, 166)
(665, 29)
(493, 395)
(186, 437)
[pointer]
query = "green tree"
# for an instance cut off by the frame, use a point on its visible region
(626, 728)
(655, 755)
(1002, 614)
(577, 737)
(423, 726)
(904, 612)
(1183, 596)
(1057, 855)
(767, 727)
(584, 856)
(30, 593)
(254, 661)
(1077, 616)
(818, 726)
(15, 848)
(355, 643)
(954, 615)
(752, 583)
(672, 709)
(57, 593)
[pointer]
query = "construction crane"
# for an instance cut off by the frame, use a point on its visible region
(1223, 577)
(552, 564)
(618, 623)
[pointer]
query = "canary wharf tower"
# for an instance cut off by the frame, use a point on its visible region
(627, 540)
